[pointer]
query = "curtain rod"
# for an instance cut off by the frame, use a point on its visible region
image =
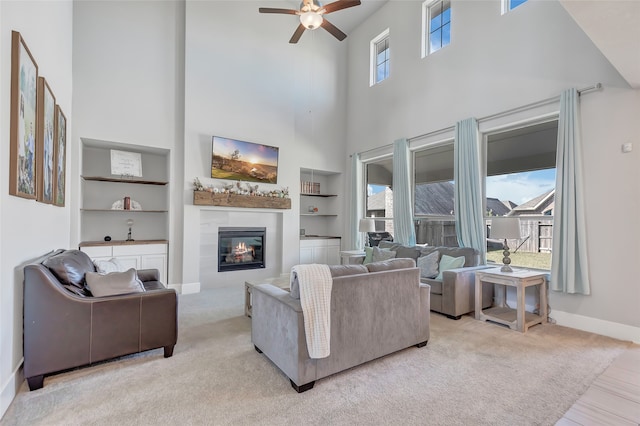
(591, 88)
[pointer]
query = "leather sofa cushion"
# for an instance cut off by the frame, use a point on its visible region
(114, 283)
(70, 266)
(388, 265)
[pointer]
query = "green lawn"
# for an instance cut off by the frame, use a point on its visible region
(523, 259)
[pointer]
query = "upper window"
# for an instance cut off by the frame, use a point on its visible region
(380, 58)
(436, 25)
(508, 5)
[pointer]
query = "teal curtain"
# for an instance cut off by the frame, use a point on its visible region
(355, 203)
(403, 229)
(569, 268)
(470, 227)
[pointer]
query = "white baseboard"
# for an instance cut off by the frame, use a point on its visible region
(597, 326)
(190, 288)
(10, 388)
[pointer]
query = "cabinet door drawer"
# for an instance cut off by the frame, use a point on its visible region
(98, 251)
(141, 249)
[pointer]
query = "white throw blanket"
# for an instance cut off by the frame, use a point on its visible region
(315, 284)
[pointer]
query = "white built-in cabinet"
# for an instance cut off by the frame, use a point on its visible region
(322, 250)
(138, 255)
(99, 221)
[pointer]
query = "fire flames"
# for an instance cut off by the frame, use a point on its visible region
(241, 253)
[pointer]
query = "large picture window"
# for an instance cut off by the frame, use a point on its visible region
(379, 204)
(433, 197)
(520, 175)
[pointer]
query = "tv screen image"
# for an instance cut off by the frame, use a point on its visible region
(239, 160)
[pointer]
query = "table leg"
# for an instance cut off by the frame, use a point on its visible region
(520, 311)
(478, 288)
(543, 301)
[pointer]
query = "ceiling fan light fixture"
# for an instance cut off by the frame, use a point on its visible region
(311, 20)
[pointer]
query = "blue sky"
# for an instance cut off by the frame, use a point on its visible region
(521, 187)
(516, 187)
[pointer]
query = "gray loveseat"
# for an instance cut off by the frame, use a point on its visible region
(375, 310)
(454, 294)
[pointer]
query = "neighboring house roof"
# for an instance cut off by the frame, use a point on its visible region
(434, 199)
(497, 207)
(377, 201)
(539, 205)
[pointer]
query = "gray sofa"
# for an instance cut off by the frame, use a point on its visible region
(375, 310)
(454, 295)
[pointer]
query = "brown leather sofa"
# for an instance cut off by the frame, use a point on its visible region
(66, 327)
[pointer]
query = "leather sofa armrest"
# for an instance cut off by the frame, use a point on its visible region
(148, 275)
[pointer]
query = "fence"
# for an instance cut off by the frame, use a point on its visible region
(537, 234)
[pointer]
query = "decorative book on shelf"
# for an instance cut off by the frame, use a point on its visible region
(309, 187)
(206, 198)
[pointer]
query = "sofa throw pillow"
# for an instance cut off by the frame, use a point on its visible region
(113, 283)
(448, 262)
(429, 265)
(382, 254)
(368, 255)
(108, 266)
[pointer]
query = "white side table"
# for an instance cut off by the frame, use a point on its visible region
(517, 319)
(346, 256)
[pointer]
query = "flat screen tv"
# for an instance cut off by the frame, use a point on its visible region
(239, 160)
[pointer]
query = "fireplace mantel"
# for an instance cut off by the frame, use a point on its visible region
(206, 198)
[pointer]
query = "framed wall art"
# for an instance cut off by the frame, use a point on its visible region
(60, 155)
(46, 117)
(24, 126)
(240, 160)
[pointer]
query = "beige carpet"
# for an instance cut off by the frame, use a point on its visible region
(469, 373)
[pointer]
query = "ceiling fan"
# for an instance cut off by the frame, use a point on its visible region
(312, 16)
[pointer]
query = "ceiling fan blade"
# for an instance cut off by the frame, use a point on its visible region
(333, 29)
(297, 34)
(339, 5)
(283, 11)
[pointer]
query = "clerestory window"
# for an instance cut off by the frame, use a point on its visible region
(436, 25)
(380, 58)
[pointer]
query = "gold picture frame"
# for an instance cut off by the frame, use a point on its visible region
(60, 153)
(46, 117)
(23, 124)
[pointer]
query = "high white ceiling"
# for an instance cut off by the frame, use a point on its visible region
(614, 27)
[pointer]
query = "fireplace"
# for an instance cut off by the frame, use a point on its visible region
(241, 248)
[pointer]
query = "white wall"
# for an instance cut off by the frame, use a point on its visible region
(28, 229)
(245, 81)
(496, 63)
(128, 88)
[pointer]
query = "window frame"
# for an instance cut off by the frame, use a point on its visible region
(373, 55)
(505, 6)
(427, 6)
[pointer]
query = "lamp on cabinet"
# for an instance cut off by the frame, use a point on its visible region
(366, 225)
(505, 228)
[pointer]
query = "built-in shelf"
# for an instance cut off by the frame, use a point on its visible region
(123, 211)
(307, 194)
(317, 214)
(124, 180)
